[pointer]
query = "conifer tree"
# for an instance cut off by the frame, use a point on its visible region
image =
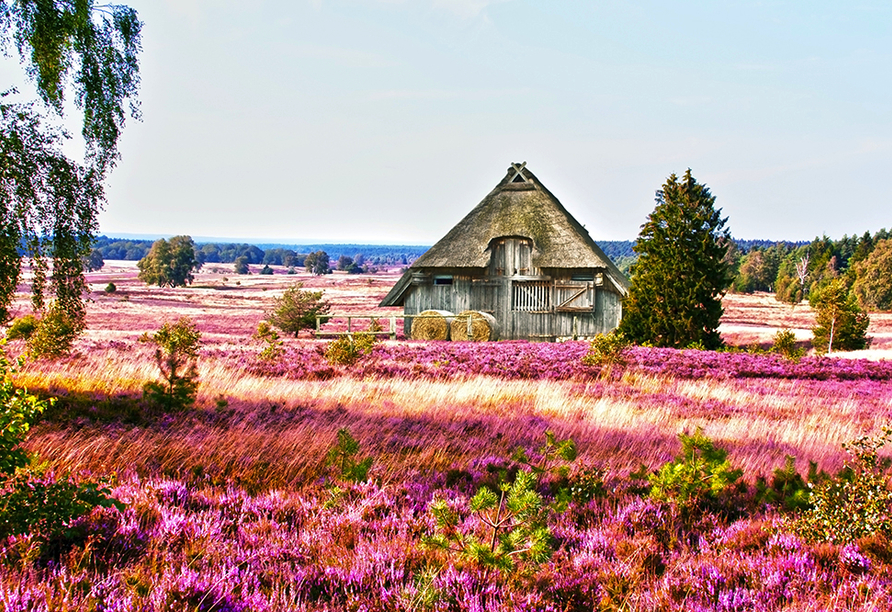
(675, 299)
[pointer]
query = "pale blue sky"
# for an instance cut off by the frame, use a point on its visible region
(387, 121)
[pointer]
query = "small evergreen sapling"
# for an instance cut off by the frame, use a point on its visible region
(344, 457)
(176, 351)
(698, 478)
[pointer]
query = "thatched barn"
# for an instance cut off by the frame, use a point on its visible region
(522, 258)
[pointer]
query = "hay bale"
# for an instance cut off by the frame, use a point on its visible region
(432, 325)
(483, 326)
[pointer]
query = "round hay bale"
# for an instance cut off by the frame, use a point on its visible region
(483, 326)
(432, 325)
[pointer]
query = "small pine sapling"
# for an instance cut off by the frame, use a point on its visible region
(176, 352)
(344, 457)
(513, 529)
(274, 348)
(697, 478)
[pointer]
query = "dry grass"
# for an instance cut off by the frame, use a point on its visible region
(276, 431)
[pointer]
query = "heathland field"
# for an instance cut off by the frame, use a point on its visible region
(241, 503)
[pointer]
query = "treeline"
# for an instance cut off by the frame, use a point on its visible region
(267, 254)
(797, 272)
(622, 254)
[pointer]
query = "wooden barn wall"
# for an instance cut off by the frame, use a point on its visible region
(493, 295)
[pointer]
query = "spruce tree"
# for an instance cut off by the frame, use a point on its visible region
(675, 299)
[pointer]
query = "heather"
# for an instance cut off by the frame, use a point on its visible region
(300, 481)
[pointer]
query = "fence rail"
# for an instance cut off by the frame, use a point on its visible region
(391, 331)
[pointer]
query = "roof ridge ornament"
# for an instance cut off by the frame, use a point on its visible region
(519, 176)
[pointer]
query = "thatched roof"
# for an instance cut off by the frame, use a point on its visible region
(519, 206)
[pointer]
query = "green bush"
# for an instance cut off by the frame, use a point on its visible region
(22, 327)
(274, 348)
(855, 504)
(46, 507)
(698, 479)
(607, 351)
(841, 324)
(18, 410)
(787, 490)
(111, 288)
(297, 310)
(176, 352)
(344, 457)
(54, 335)
(513, 531)
(347, 350)
(785, 344)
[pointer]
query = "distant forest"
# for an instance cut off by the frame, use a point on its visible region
(272, 254)
(757, 265)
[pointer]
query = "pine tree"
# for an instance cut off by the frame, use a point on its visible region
(680, 277)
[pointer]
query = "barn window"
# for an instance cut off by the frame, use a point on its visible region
(442, 280)
(531, 296)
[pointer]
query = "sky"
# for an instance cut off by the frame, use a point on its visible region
(387, 121)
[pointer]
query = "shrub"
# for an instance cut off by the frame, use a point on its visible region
(855, 504)
(175, 354)
(274, 348)
(697, 479)
(787, 490)
(266, 270)
(607, 351)
(297, 310)
(513, 528)
(111, 288)
(344, 456)
(54, 335)
(347, 349)
(21, 328)
(47, 507)
(785, 344)
(18, 410)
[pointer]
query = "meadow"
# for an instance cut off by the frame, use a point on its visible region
(234, 504)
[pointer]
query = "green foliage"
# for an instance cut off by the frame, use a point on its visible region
(297, 309)
(758, 269)
(855, 504)
(46, 507)
(698, 478)
(50, 203)
(176, 352)
(552, 451)
(607, 351)
(94, 262)
(18, 411)
(241, 266)
(54, 335)
(841, 324)
(344, 457)
(111, 288)
(348, 349)
(681, 273)
(514, 528)
(785, 344)
(22, 327)
(787, 490)
(274, 348)
(266, 270)
(873, 286)
(318, 263)
(169, 264)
